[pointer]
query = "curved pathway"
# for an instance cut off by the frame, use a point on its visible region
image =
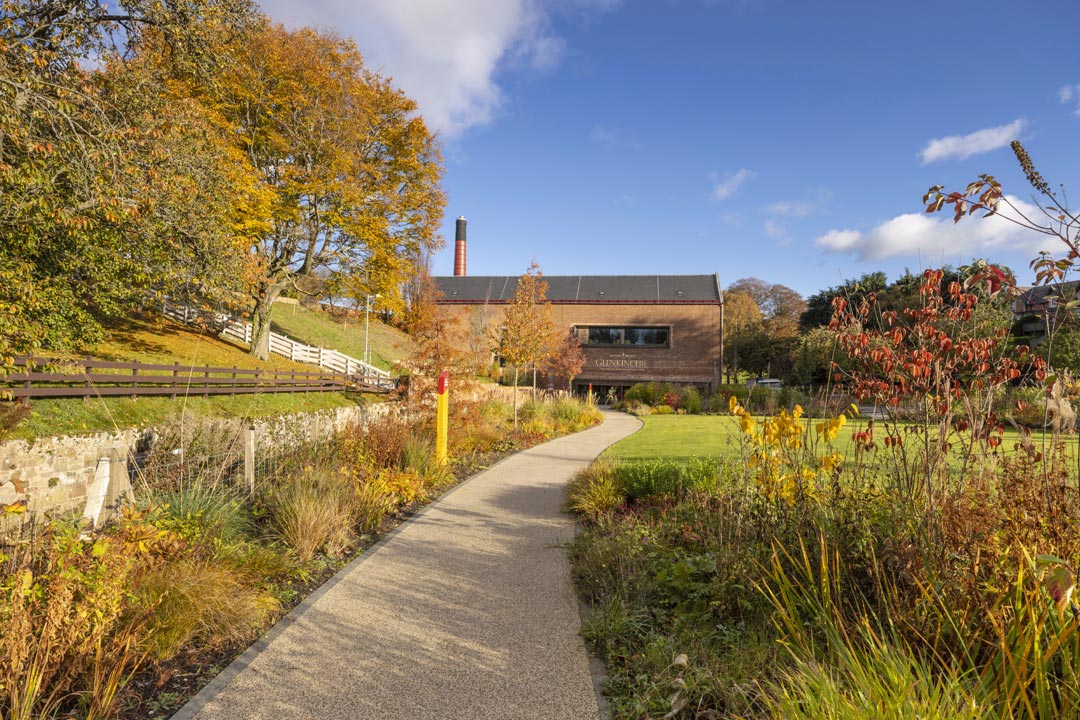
(467, 611)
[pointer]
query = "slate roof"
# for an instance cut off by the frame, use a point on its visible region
(1040, 297)
(582, 289)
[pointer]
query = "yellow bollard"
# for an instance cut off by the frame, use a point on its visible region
(442, 417)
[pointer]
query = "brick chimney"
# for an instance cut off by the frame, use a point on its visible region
(459, 248)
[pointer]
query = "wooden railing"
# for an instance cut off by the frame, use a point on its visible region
(331, 360)
(44, 377)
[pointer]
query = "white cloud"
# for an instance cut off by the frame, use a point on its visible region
(445, 55)
(774, 229)
(725, 187)
(964, 146)
(612, 137)
(791, 209)
(811, 202)
(840, 240)
(935, 236)
(1069, 94)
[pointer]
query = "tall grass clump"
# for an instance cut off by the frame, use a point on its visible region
(545, 419)
(595, 491)
(197, 600)
(314, 511)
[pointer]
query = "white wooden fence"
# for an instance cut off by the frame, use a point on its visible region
(279, 344)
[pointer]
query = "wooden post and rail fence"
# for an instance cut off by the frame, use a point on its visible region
(44, 377)
(239, 330)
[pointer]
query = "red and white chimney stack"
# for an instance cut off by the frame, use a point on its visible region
(459, 248)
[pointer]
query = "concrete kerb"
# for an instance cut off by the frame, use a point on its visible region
(215, 686)
(192, 708)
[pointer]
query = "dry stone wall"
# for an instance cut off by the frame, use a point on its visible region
(69, 474)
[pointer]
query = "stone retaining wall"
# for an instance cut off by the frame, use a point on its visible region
(67, 474)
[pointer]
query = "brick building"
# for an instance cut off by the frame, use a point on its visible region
(632, 328)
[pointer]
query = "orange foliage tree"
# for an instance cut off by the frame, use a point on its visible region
(527, 334)
(565, 360)
(349, 170)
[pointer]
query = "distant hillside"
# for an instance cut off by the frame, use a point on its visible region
(342, 333)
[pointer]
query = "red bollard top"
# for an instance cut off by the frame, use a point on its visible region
(444, 381)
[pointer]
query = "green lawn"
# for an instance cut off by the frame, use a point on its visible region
(680, 437)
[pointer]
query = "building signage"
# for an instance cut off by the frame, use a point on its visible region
(623, 361)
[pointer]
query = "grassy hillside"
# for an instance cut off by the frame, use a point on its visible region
(163, 341)
(344, 334)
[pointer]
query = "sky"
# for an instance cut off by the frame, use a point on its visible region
(781, 139)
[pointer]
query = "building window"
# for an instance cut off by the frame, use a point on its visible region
(608, 336)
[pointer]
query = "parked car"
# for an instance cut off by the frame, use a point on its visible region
(768, 383)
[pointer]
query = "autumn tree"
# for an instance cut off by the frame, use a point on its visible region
(439, 338)
(351, 171)
(780, 306)
(941, 358)
(742, 320)
(92, 215)
(767, 346)
(527, 332)
(565, 360)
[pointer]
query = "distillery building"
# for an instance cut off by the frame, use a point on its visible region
(631, 328)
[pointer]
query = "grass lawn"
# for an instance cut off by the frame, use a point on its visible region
(680, 437)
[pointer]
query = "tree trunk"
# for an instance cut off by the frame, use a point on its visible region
(260, 322)
(515, 395)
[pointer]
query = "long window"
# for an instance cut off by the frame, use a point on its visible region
(635, 336)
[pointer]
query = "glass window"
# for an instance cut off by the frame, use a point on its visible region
(637, 336)
(647, 336)
(605, 336)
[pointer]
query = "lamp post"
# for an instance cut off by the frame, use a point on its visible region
(721, 290)
(367, 310)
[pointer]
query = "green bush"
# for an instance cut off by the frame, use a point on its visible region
(212, 515)
(1027, 406)
(653, 478)
(691, 399)
(651, 393)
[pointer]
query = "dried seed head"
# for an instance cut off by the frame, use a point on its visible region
(1028, 167)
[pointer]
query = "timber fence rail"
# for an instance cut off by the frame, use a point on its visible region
(239, 330)
(45, 377)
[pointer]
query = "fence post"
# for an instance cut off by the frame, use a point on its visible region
(249, 459)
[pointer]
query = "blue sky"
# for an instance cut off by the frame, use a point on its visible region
(790, 141)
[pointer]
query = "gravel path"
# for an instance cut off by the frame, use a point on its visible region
(465, 612)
